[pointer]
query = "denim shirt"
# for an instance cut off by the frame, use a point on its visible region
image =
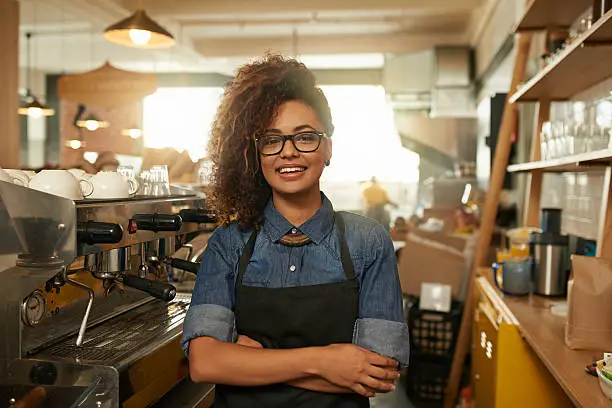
(380, 326)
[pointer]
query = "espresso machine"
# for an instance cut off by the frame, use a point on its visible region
(87, 312)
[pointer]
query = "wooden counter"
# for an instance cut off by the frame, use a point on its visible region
(545, 333)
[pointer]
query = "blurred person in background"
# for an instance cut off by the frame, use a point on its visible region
(106, 161)
(376, 199)
(84, 165)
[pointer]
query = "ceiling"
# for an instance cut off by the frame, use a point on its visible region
(218, 35)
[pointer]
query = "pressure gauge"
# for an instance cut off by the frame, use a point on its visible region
(33, 308)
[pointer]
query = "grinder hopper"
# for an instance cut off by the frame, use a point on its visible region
(43, 224)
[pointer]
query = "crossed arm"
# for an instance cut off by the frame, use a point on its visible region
(338, 368)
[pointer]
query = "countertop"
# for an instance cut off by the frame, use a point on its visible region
(545, 333)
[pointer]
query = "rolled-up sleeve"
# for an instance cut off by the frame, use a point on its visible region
(212, 303)
(381, 327)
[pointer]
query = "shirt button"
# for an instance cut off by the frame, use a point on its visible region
(293, 230)
(292, 268)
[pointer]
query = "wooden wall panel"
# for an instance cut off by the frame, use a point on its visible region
(108, 139)
(9, 83)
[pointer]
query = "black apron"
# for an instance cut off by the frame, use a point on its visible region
(294, 317)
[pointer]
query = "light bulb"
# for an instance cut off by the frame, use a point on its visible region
(35, 112)
(74, 144)
(92, 125)
(134, 133)
(140, 37)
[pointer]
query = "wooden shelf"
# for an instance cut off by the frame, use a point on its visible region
(578, 162)
(545, 333)
(586, 62)
(544, 14)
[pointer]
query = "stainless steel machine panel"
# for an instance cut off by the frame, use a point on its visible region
(88, 312)
(122, 340)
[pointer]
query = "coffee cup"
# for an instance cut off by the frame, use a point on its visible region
(110, 184)
(80, 174)
(61, 183)
(5, 176)
(20, 177)
(515, 276)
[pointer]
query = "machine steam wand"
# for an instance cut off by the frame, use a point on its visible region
(91, 294)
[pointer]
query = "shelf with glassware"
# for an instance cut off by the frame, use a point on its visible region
(583, 61)
(578, 162)
(542, 14)
(581, 141)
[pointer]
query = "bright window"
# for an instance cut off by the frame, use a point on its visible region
(180, 118)
(365, 141)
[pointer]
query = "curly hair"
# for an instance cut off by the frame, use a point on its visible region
(250, 102)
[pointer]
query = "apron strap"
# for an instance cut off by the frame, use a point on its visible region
(345, 255)
(247, 252)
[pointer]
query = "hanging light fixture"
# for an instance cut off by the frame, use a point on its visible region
(75, 144)
(134, 132)
(139, 31)
(32, 107)
(92, 123)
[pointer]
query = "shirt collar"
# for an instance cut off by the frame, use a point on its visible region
(316, 227)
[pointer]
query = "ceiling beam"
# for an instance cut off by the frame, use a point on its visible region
(186, 8)
(433, 20)
(336, 44)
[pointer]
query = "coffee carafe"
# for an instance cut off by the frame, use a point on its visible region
(550, 253)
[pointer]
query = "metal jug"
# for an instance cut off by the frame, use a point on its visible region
(550, 254)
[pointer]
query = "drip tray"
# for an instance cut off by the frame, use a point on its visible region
(126, 337)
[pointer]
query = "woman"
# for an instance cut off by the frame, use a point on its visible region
(294, 305)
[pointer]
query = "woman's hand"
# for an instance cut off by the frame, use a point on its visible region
(358, 369)
(248, 342)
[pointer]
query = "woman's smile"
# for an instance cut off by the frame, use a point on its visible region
(291, 171)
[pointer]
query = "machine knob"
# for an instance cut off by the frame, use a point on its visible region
(44, 373)
(92, 232)
(158, 222)
(186, 266)
(198, 215)
(161, 290)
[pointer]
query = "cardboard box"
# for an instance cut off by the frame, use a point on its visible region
(457, 241)
(423, 260)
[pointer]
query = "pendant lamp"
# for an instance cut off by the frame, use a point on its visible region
(33, 107)
(139, 31)
(92, 123)
(75, 144)
(134, 132)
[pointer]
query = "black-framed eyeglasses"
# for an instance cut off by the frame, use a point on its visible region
(304, 142)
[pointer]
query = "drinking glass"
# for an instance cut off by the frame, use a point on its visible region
(570, 138)
(143, 179)
(581, 138)
(126, 171)
(158, 181)
(545, 136)
(559, 139)
(600, 137)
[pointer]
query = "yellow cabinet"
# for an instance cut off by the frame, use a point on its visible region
(506, 373)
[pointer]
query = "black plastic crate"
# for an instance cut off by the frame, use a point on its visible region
(433, 333)
(427, 378)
